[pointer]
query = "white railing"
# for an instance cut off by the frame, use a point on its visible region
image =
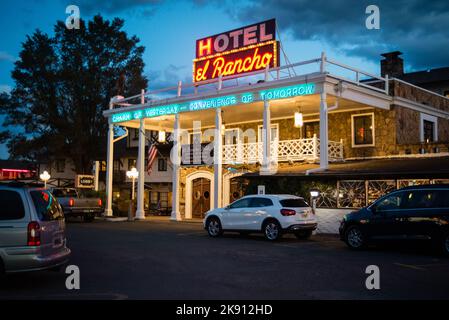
(321, 65)
(284, 150)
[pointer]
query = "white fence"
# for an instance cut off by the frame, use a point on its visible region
(284, 150)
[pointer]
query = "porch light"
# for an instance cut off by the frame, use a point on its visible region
(162, 136)
(45, 176)
(223, 129)
(298, 120)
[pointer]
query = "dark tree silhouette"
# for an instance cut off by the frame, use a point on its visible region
(62, 85)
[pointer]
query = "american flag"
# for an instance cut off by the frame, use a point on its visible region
(152, 153)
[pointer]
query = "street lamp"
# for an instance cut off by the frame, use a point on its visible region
(132, 174)
(45, 176)
(314, 194)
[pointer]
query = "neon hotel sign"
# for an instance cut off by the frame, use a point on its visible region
(234, 52)
(238, 51)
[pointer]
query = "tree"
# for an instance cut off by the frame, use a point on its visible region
(62, 85)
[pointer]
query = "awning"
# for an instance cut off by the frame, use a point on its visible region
(397, 168)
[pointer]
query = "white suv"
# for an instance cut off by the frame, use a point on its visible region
(271, 214)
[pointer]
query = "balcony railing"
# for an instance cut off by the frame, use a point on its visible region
(284, 150)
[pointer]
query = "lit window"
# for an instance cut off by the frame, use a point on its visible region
(428, 128)
(363, 130)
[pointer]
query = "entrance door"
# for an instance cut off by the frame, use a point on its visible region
(200, 197)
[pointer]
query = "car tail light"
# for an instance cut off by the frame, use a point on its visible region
(100, 203)
(71, 202)
(288, 212)
(34, 234)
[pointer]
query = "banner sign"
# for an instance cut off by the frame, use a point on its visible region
(225, 101)
(238, 51)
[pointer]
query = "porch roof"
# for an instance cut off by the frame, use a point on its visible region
(396, 168)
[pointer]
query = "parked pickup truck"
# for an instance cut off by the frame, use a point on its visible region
(74, 205)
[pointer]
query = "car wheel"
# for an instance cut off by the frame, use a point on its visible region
(303, 234)
(354, 238)
(272, 230)
(214, 228)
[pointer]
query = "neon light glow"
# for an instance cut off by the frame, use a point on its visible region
(16, 170)
(225, 101)
(287, 92)
(239, 61)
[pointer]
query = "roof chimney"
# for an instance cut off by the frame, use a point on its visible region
(393, 64)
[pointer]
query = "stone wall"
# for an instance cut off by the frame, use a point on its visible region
(384, 126)
(412, 93)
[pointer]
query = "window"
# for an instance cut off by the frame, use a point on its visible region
(363, 130)
(274, 132)
(12, 205)
(422, 199)
(47, 208)
(446, 93)
(311, 128)
(260, 202)
(428, 128)
(60, 165)
(132, 163)
(65, 193)
(136, 134)
(293, 203)
(243, 203)
(103, 166)
(162, 164)
(391, 202)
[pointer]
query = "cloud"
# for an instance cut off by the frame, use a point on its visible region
(169, 77)
(4, 56)
(419, 28)
(116, 6)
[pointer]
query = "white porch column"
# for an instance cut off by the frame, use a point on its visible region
(109, 168)
(140, 212)
(324, 141)
(218, 159)
(266, 138)
(176, 160)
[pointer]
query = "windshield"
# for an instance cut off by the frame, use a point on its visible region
(293, 203)
(47, 207)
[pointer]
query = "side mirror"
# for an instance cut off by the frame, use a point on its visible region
(373, 209)
(227, 207)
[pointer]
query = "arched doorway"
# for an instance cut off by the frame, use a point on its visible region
(200, 197)
(199, 193)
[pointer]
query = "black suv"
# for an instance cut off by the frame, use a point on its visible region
(411, 213)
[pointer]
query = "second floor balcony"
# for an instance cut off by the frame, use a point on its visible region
(281, 151)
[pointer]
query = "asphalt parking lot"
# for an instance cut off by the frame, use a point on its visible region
(166, 260)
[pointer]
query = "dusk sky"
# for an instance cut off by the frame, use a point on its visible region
(168, 30)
